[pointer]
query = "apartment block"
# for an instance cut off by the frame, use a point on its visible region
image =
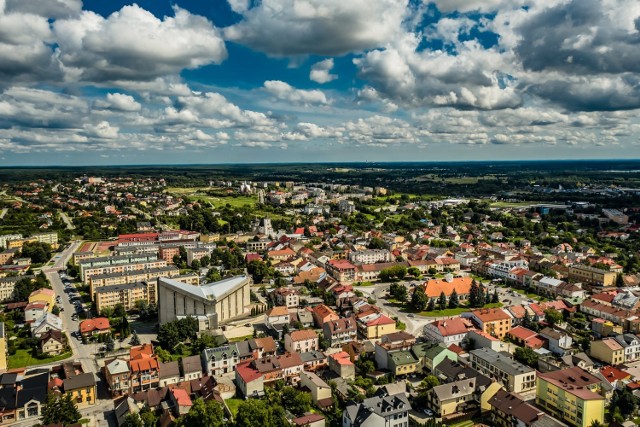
(513, 375)
(127, 295)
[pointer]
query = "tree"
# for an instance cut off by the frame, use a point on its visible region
(59, 410)
(195, 264)
(419, 299)
(442, 301)
(110, 345)
(377, 243)
(474, 294)
(398, 292)
(253, 413)
(552, 316)
(133, 420)
(429, 382)
(213, 275)
(526, 356)
(624, 401)
(38, 252)
(414, 271)
(203, 414)
(482, 297)
(135, 340)
(432, 304)
(453, 300)
(259, 270)
(365, 366)
(149, 418)
(495, 298)
(620, 280)
(119, 311)
(298, 402)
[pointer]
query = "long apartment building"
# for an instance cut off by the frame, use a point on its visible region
(591, 275)
(513, 375)
(91, 266)
(123, 277)
(127, 295)
(121, 268)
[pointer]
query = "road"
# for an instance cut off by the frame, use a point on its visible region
(85, 354)
(67, 221)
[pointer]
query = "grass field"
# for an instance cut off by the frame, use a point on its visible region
(233, 405)
(198, 194)
(23, 358)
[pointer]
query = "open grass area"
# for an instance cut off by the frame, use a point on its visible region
(215, 201)
(468, 423)
(233, 405)
(238, 339)
(23, 358)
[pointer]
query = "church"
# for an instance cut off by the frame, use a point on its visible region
(211, 304)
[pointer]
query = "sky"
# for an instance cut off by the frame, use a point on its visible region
(98, 82)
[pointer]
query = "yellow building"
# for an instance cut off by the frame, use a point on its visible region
(607, 350)
(3, 348)
(47, 296)
(591, 275)
(82, 388)
(402, 362)
(572, 395)
(492, 321)
(462, 397)
(376, 328)
(126, 294)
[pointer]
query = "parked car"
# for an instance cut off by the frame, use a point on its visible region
(428, 412)
(411, 315)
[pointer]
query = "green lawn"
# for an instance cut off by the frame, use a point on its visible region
(238, 339)
(468, 423)
(23, 358)
(363, 284)
(452, 311)
(233, 404)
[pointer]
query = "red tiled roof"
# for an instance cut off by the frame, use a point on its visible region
(96, 324)
(382, 320)
(522, 333)
(613, 374)
(454, 326)
(181, 397)
(342, 358)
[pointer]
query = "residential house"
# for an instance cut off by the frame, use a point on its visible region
(47, 296)
(340, 331)
(288, 297)
(169, 373)
(513, 375)
(493, 321)
(46, 323)
(190, 368)
(309, 419)
(378, 411)
(431, 354)
(95, 326)
(28, 393)
(449, 331)
(35, 310)
(144, 368)
(468, 396)
(180, 401)
(116, 373)
(433, 288)
(53, 343)
(220, 360)
(341, 364)
(631, 345)
(320, 390)
(509, 410)
(313, 360)
(377, 327)
(323, 314)
(301, 341)
(572, 395)
(607, 350)
(559, 342)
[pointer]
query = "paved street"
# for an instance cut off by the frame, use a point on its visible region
(85, 354)
(67, 220)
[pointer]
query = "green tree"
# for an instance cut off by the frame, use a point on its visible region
(119, 311)
(133, 420)
(431, 305)
(474, 294)
(552, 316)
(59, 410)
(624, 401)
(495, 298)
(296, 401)
(149, 417)
(259, 270)
(195, 264)
(203, 414)
(419, 299)
(213, 275)
(442, 301)
(253, 413)
(365, 366)
(109, 344)
(38, 252)
(414, 271)
(453, 300)
(135, 339)
(526, 356)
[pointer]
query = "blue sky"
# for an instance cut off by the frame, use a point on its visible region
(217, 81)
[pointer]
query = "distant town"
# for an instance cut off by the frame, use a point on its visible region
(157, 301)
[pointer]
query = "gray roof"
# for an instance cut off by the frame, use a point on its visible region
(500, 361)
(116, 288)
(378, 406)
(219, 352)
(191, 364)
(210, 291)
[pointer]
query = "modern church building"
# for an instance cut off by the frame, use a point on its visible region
(212, 304)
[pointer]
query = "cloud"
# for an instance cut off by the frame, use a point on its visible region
(582, 37)
(102, 130)
(286, 92)
(464, 6)
(322, 27)
(473, 78)
(132, 44)
(321, 71)
(118, 102)
(46, 8)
